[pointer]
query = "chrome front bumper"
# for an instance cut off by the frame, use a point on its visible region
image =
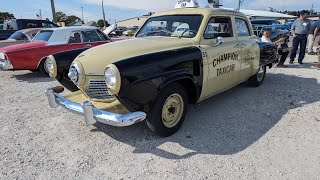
(93, 115)
(5, 65)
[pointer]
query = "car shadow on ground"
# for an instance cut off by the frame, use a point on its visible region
(227, 123)
(32, 77)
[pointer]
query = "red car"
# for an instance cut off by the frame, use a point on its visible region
(32, 55)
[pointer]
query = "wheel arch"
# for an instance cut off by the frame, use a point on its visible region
(41, 60)
(187, 82)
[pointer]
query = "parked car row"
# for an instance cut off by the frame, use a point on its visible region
(122, 31)
(32, 55)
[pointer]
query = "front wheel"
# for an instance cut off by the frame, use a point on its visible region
(169, 110)
(42, 68)
(257, 79)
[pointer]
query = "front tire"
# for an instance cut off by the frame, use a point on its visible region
(169, 110)
(42, 68)
(257, 79)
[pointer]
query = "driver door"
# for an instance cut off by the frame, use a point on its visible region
(223, 58)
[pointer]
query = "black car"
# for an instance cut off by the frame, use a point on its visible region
(13, 25)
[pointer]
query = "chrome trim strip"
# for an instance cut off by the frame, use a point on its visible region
(92, 114)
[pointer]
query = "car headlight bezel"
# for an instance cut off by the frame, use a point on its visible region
(51, 66)
(113, 79)
(76, 74)
(110, 76)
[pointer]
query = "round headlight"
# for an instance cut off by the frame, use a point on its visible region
(49, 65)
(110, 76)
(74, 74)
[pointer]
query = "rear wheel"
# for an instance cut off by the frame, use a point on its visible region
(257, 79)
(168, 113)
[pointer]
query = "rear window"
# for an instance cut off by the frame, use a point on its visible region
(18, 35)
(43, 36)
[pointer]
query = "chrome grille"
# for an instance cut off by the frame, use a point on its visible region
(98, 90)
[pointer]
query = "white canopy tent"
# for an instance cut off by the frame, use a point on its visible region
(258, 14)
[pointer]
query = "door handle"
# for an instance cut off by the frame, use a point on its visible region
(88, 45)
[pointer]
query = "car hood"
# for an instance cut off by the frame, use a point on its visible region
(95, 60)
(23, 46)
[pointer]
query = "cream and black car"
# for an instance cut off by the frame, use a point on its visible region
(178, 57)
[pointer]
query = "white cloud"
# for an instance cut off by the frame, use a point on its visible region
(248, 4)
(281, 4)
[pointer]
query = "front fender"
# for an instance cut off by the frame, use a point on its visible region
(143, 77)
(64, 60)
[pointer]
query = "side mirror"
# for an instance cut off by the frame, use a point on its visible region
(219, 40)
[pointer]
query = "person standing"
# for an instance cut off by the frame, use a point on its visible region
(300, 29)
(312, 36)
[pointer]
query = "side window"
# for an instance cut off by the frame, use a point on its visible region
(218, 27)
(32, 25)
(242, 27)
(75, 38)
(90, 36)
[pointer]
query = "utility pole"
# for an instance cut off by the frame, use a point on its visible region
(53, 11)
(82, 15)
(239, 5)
(104, 16)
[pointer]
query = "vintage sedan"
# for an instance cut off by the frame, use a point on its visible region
(163, 70)
(32, 55)
(20, 37)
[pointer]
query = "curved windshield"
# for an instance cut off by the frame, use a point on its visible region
(43, 36)
(18, 35)
(186, 26)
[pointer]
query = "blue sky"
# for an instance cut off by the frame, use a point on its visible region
(123, 9)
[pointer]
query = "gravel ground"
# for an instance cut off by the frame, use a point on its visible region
(270, 132)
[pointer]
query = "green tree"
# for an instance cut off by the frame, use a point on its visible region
(5, 15)
(61, 16)
(101, 24)
(71, 19)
